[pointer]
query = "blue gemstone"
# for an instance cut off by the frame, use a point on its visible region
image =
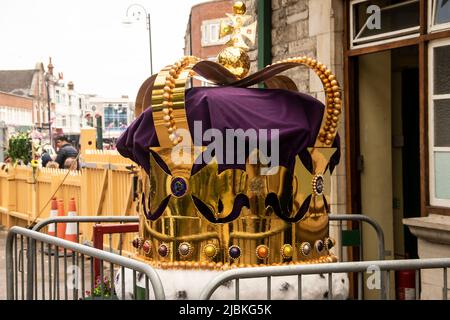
(319, 185)
(234, 252)
(178, 186)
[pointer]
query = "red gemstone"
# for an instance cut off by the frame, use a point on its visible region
(146, 247)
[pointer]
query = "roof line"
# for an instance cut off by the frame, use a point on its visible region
(16, 95)
(19, 70)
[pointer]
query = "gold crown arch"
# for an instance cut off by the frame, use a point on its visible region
(188, 221)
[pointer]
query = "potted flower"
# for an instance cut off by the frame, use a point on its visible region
(20, 148)
(103, 290)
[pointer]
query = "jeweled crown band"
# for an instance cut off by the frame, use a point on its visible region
(198, 255)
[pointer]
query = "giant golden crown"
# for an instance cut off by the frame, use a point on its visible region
(190, 221)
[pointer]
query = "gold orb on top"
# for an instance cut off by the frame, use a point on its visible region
(239, 7)
(236, 60)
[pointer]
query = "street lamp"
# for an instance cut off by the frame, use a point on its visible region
(48, 80)
(134, 14)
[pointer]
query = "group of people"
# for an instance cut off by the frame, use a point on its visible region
(64, 158)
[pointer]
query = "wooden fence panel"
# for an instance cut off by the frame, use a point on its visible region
(102, 187)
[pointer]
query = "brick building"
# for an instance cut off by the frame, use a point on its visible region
(16, 111)
(202, 32)
(20, 86)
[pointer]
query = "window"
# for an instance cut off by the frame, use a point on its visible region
(439, 120)
(58, 97)
(439, 14)
(115, 117)
(211, 31)
(379, 21)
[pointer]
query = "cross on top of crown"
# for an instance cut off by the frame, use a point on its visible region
(236, 29)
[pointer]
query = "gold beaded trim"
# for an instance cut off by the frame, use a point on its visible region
(168, 103)
(333, 101)
(219, 266)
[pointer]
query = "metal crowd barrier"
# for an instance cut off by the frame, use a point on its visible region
(87, 219)
(360, 218)
(78, 219)
(23, 247)
(15, 267)
(344, 267)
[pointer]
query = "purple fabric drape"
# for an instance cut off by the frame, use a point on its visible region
(297, 116)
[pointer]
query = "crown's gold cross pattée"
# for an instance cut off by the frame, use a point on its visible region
(236, 28)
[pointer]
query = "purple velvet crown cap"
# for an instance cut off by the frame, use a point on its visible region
(297, 116)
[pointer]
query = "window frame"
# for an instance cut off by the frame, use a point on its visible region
(206, 28)
(432, 27)
(434, 201)
(386, 37)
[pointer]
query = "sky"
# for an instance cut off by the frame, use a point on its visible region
(89, 43)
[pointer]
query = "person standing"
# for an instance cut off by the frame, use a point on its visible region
(65, 150)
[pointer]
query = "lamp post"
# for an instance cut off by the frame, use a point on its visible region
(48, 79)
(134, 14)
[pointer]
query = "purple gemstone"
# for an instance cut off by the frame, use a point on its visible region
(234, 252)
(329, 243)
(163, 250)
(136, 243)
(319, 246)
(319, 185)
(178, 186)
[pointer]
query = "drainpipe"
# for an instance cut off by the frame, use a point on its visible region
(264, 11)
(190, 33)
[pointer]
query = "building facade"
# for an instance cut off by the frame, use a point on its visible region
(392, 59)
(202, 33)
(116, 113)
(18, 89)
(67, 108)
(65, 101)
(16, 112)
